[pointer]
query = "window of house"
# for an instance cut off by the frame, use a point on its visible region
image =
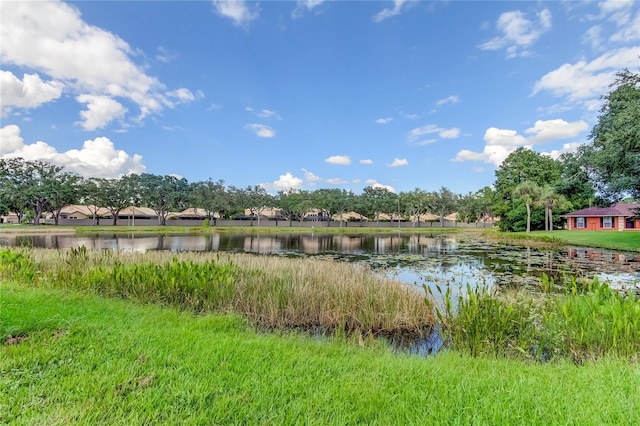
(630, 223)
(607, 222)
(580, 222)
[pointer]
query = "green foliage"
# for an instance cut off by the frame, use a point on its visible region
(273, 293)
(613, 156)
(162, 193)
(36, 187)
(515, 219)
(522, 165)
(204, 286)
(17, 264)
(580, 320)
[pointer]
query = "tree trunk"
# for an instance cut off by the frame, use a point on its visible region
(528, 217)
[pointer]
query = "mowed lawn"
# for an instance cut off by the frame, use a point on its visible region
(616, 240)
(72, 358)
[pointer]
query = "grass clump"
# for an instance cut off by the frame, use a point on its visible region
(308, 294)
(581, 321)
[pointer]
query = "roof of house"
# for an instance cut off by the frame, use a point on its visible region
(86, 210)
(138, 211)
(424, 217)
(350, 215)
(619, 209)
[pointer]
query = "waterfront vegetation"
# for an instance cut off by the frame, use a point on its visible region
(76, 358)
(574, 320)
(272, 292)
(121, 338)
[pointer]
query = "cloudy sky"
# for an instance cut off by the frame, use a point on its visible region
(308, 94)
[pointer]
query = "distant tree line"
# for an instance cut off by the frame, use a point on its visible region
(32, 188)
(531, 190)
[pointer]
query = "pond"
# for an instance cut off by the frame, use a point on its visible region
(453, 260)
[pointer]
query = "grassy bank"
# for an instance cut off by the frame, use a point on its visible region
(272, 292)
(80, 359)
(614, 240)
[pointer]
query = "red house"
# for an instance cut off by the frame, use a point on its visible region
(618, 217)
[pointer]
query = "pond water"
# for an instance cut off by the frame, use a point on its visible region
(445, 260)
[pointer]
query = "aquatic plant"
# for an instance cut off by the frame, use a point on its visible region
(307, 294)
(578, 319)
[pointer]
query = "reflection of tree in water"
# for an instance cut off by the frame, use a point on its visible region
(412, 255)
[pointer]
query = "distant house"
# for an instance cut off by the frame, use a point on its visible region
(76, 211)
(619, 217)
(349, 216)
(192, 213)
(9, 218)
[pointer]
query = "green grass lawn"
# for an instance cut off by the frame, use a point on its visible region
(82, 359)
(603, 239)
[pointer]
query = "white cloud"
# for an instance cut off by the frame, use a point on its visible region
(397, 162)
(261, 130)
(285, 182)
(426, 142)
(398, 5)
(183, 95)
(587, 80)
(101, 110)
(366, 161)
(450, 133)
(311, 178)
(11, 139)
(341, 160)
(518, 33)
(593, 36)
(453, 99)
(303, 6)
(236, 10)
(375, 184)
(96, 158)
(567, 147)
(499, 143)
(545, 131)
(164, 55)
(30, 92)
(51, 38)
(337, 181)
(628, 32)
(419, 132)
(610, 6)
(493, 154)
(384, 120)
(264, 113)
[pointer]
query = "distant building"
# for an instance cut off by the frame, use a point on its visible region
(619, 217)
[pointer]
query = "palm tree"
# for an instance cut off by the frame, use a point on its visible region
(529, 192)
(550, 199)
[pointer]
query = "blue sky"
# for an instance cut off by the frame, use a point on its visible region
(308, 94)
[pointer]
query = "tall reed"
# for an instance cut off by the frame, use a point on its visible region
(272, 292)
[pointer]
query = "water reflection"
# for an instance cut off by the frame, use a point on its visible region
(443, 260)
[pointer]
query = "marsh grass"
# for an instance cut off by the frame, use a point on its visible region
(274, 293)
(580, 320)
